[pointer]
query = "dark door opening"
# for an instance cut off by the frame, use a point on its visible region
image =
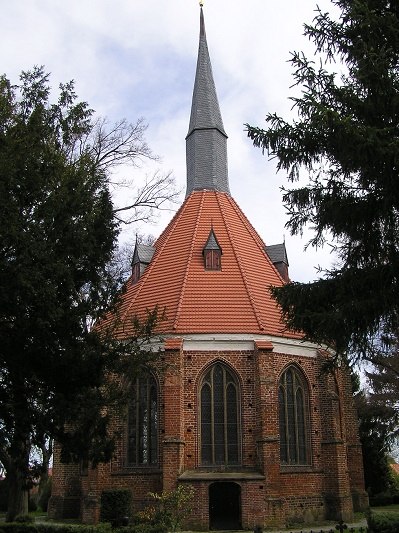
(224, 505)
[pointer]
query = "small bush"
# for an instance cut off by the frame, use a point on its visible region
(383, 522)
(381, 499)
(142, 528)
(115, 505)
(24, 519)
(173, 508)
(15, 527)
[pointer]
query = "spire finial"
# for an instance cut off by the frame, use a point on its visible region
(201, 3)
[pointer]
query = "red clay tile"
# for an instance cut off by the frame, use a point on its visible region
(235, 299)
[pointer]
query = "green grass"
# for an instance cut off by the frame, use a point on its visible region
(386, 508)
(40, 517)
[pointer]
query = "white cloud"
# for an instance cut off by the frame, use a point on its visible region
(137, 58)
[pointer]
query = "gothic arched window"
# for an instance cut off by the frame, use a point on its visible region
(142, 447)
(293, 397)
(220, 417)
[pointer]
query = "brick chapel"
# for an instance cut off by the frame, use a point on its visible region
(242, 410)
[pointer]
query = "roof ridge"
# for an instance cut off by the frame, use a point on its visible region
(190, 254)
(255, 236)
(242, 271)
(166, 235)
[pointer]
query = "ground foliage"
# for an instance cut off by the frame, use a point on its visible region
(57, 235)
(346, 140)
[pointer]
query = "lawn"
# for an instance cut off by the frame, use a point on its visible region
(386, 509)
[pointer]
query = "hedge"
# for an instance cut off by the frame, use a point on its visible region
(14, 527)
(115, 505)
(383, 522)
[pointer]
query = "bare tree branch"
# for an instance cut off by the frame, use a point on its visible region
(157, 194)
(121, 143)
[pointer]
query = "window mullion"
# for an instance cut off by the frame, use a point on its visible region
(296, 425)
(148, 421)
(212, 419)
(226, 453)
(138, 421)
(287, 422)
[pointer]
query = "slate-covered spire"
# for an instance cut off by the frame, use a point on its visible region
(206, 141)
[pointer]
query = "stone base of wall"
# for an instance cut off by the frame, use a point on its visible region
(91, 507)
(338, 508)
(258, 510)
(302, 510)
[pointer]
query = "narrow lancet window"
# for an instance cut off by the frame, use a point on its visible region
(293, 396)
(220, 424)
(142, 446)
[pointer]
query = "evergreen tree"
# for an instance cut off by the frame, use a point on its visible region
(57, 235)
(346, 140)
(378, 425)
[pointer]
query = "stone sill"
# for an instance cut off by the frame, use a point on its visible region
(136, 471)
(300, 469)
(194, 475)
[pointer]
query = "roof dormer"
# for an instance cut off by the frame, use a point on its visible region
(212, 253)
(278, 256)
(142, 256)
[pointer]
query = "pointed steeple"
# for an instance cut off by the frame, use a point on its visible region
(206, 141)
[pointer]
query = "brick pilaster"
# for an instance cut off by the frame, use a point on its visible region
(173, 437)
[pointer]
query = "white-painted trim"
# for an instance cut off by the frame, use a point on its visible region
(244, 342)
(210, 342)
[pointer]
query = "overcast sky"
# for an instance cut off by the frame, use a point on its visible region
(133, 58)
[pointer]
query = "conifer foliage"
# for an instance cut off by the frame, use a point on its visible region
(57, 235)
(346, 140)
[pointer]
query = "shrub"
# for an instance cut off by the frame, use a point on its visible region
(174, 507)
(383, 522)
(381, 499)
(24, 519)
(115, 505)
(15, 527)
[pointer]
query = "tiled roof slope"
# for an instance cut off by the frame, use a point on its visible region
(233, 300)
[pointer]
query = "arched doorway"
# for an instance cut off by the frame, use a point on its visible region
(224, 505)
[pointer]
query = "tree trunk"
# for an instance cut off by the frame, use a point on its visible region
(47, 452)
(18, 493)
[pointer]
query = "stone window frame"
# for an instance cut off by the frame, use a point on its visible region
(230, 380)
(142, 445)
(294, 418)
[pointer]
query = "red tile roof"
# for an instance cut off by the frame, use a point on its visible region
(235, 299)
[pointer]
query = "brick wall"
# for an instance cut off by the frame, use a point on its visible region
(281, 495)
